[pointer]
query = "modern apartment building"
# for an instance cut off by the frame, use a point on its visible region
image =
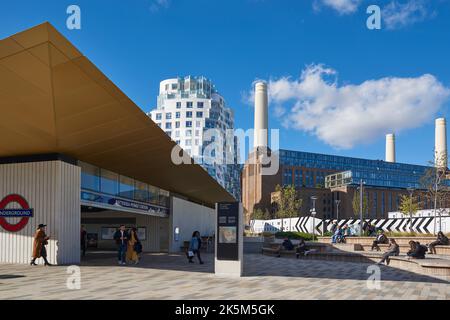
(192, 112)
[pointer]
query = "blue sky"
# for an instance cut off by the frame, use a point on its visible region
(404, 66)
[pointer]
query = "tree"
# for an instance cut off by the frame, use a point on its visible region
(259, 214)
(409, 207)
(436, 188)
(356, 203)
(288, 203)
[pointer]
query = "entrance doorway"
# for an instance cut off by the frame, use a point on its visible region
(164, 234)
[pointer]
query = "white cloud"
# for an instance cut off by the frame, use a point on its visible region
(400, 14)
(347, 115)
(156, 5)
(341, 6)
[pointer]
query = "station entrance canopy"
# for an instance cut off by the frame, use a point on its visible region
(54, 100)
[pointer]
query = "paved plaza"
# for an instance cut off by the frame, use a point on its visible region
(162, 276)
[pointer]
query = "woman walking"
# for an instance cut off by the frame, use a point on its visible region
(133, 244)
(39, 243)
(194, 247)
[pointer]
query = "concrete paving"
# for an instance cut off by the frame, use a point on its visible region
(162, 276)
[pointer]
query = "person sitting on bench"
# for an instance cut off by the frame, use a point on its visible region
(381, 239)
(442, 240)
(287, 244)
(301, 249)
(417, 250)
(337, 236)
(393, 250)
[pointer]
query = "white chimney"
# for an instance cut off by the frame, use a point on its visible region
(261, 121)
(440, 143)
(390, 147)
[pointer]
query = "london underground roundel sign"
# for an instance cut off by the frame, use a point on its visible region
(25, 213)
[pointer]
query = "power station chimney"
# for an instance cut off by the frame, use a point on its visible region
(390, 147)
(440, 143)
(261, 122)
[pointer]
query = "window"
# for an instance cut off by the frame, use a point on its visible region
(109, 182)
(188, 124)
(178, 105)
(198, 123)
(141, 192)
(169, 125)
(167, 87)
(177, 124)
(90, 176)
(188, 114)
(196, 142)
(159, 125)
(158, 116)
(126, 187)
(197, 133)
(189, 104)
(168, 116)
(178, 115)
(177, 134)
(169, 133)
(188, 133)
(199, 104)
(174, 86)
(188, 142)
(199, 114)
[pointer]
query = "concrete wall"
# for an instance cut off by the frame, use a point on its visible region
(188, 217)
(52, 189)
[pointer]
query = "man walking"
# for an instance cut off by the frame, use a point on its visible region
(121, 237)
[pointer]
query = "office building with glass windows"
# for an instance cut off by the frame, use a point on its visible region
(193, 113)
(75, 150)
(332, 178)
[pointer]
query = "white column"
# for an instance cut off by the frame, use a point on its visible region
(390, 147)
(440, 148)
(261, 117)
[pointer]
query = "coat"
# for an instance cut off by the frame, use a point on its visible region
(40, 240)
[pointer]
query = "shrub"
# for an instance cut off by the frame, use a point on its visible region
(407, 234)
(294, 235)
(267, 234)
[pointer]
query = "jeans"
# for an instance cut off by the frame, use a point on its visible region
(122, 251)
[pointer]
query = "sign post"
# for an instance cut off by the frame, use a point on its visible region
(229, 239)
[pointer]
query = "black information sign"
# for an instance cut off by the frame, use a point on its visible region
(228, 231)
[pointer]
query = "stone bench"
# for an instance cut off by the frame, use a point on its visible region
(404, 248)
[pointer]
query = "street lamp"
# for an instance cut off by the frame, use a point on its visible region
(361, 182)
(337, 202)
(313, 214)
(411, 191)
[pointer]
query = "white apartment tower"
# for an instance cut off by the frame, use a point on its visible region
(186, 108)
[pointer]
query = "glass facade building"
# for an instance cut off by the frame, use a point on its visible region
(105, 182)
(376, 173)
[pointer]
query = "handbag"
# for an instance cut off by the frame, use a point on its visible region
(190, 253)
(138, 247)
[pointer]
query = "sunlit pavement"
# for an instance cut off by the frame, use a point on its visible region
(162, 276)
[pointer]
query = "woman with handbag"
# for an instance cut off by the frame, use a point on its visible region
(39, 243)
(194, 247)
(133, 247)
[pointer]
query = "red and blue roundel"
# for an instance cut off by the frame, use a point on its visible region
(25, 213)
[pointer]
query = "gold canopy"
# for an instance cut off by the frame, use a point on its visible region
(54, 100)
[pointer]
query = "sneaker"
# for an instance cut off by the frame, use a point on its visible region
(120, 262)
